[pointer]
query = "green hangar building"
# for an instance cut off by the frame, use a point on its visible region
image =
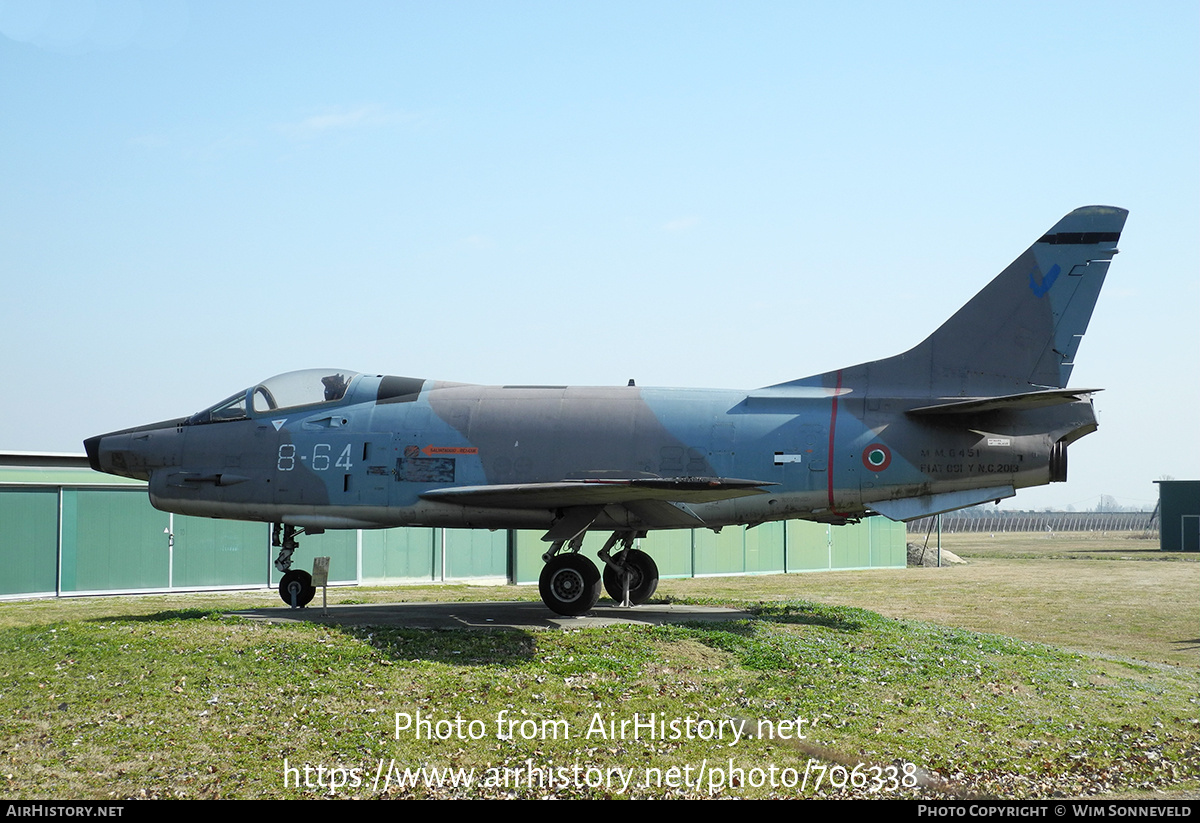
(1179, 515)
(68, 530)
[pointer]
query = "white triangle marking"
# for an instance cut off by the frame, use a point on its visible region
(278, 424)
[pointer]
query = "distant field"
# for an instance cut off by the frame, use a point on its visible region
(1065, 667)
(1112, 594)
(1065, 545)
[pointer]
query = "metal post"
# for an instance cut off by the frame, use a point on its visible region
(59, 548)
(170, 551)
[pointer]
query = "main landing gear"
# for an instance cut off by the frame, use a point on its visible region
(296, 588)
(570, 583)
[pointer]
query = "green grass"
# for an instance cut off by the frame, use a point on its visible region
(170, 697)
(1099, 594)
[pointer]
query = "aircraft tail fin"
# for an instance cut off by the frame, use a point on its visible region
(1020, 333)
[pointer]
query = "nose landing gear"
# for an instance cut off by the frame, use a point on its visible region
(296, 588)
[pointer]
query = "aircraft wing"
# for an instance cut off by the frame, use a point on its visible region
(568, 493)
(659, 502)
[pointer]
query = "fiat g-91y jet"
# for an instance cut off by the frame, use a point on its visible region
(973, 413)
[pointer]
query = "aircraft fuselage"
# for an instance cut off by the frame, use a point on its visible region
(974, 412)
(364, 462)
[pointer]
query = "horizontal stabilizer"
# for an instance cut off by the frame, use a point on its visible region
(911, 508)
(1007, 402)
(565, 493)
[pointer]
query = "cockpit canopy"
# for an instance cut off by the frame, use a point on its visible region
(309, 387)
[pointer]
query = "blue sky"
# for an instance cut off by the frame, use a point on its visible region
(195, 196)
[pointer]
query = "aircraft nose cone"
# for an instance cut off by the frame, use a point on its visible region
(92, 447)
(135, 452)
(118, 453)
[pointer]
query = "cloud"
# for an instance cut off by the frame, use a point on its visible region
(82, 26)
(342, 119)
(680, 224)
(150, 141)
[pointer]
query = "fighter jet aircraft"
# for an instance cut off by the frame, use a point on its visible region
(973, 413)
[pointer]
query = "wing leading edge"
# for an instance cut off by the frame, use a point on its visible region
(657, 502)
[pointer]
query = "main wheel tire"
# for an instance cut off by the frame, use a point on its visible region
(299, 582)
(569, 584)
(643, 581)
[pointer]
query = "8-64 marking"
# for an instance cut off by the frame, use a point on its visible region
(321, 459)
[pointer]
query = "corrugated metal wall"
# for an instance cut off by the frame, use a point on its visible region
(28, 541)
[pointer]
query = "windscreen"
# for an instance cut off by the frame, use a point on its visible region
(310, 387)
(302, 388)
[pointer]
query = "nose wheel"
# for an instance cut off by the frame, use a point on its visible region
(296, 588)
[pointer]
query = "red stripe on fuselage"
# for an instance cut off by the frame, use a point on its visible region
(832, 423)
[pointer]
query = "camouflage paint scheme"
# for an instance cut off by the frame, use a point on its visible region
(973, 413)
